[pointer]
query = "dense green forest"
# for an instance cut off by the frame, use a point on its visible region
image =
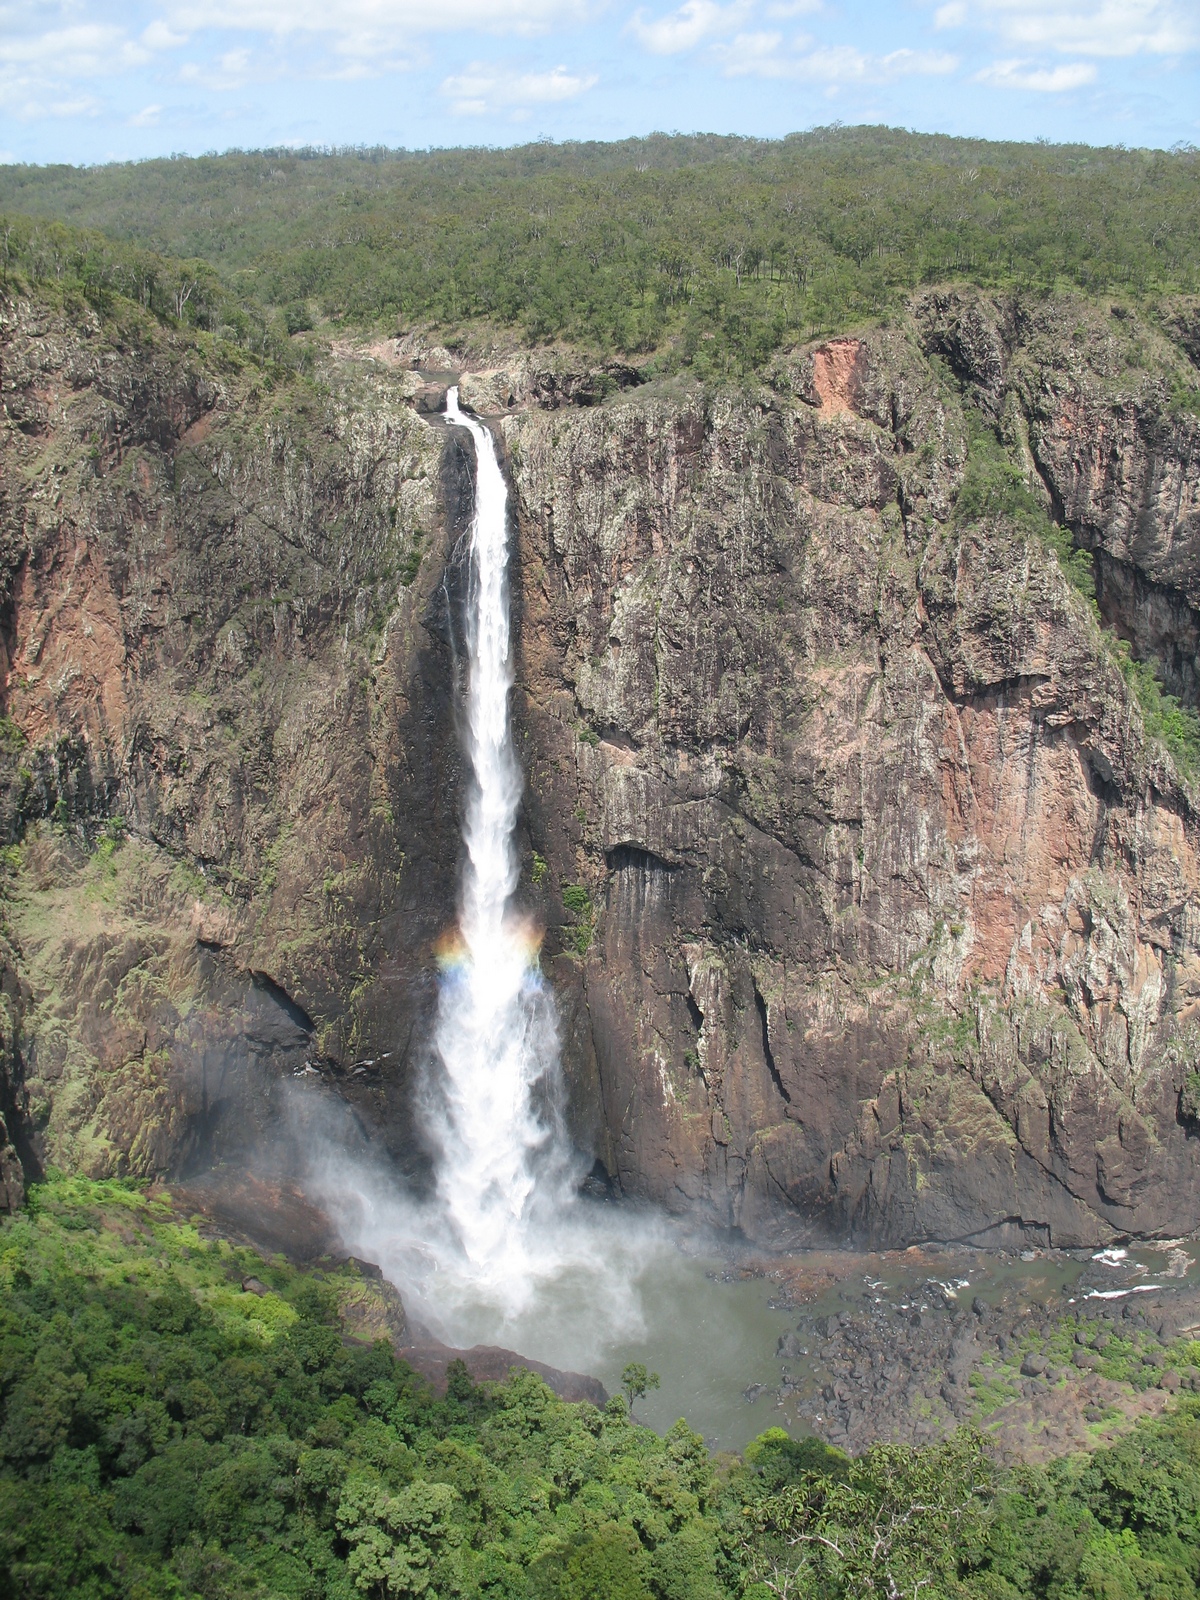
(167, 1432)
(708, 251)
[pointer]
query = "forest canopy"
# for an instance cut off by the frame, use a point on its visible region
(184, 1419)
(716, 250)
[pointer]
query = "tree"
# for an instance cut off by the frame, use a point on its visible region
(401, 1545)
(636, 1381)
(181, 294)
(903, 1521)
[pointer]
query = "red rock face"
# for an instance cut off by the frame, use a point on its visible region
(213, 648)
(68, 659)
(837, 369)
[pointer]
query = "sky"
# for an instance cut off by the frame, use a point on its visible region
(99, 80)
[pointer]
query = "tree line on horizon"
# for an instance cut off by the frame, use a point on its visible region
(708, 252)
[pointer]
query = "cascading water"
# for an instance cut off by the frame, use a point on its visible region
(501, 1155)
(504, 1252)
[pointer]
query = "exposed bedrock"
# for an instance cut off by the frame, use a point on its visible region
(229, 648)
(871, 906)
(894, 904)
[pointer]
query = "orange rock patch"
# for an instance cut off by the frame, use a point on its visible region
(836, 374)
(69, 658)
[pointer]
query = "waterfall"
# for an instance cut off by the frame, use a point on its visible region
(501, 1152)
(504, 1251)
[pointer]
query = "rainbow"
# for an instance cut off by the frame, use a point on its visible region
(453, 955)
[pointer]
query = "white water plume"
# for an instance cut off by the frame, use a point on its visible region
(505, 1252)
(502, 1157)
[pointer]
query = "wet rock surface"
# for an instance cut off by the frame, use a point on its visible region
(270, 1214)
(491, 1364)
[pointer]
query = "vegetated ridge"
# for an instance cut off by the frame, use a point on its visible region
(712, 252)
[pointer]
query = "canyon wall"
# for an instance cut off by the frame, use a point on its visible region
(870, 901)
(229, 749)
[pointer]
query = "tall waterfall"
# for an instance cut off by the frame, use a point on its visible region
(504, 1251)
(494, 1115)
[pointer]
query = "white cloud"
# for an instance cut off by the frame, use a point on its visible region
(750, 53)
(32, 108)
(65, 57)
(482, 89)
(362, 62)
(1044, 80)
(41, 67)
(158, 36)
(695, 22)
(84, 105)
(379, 18)
(230, 71)
(762, 55)
(89, 50)
(952, 15)
(1108, 28)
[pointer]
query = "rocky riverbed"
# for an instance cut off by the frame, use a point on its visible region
(1047, 1351)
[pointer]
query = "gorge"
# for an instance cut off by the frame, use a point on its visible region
(599, 934)
(502, 1249)
(869, 891)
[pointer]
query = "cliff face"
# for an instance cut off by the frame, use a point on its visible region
(229, 747)
(896, 903)
(881, 908)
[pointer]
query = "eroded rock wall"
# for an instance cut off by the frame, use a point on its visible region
(871, 906)
(229, 742)
(894, 903)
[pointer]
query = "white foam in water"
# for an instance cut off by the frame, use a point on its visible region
(505, 1253)
(1111, 1257)
(1119, 1294)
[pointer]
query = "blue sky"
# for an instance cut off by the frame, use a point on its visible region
(96, 80)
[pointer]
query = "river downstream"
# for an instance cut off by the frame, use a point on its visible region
(896, 1345)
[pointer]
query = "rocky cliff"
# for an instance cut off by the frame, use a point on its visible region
(870, 882)
(229, 668)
